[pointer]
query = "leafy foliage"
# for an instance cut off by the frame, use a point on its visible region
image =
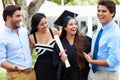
(81, 2)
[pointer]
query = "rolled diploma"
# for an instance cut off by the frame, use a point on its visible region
(57, 39)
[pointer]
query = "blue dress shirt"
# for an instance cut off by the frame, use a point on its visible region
(109, 46)
(15, 48)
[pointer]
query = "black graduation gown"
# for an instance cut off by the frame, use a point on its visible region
(73, 72)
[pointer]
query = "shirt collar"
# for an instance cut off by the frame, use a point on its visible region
(10, 30)
(107, 25)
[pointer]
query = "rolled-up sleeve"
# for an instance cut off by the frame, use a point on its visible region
(2, 52)
(114, 52)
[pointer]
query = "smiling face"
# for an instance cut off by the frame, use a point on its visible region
(13, 21)
(16, 19)
(104, 14)
(42, 26)
(71, 27)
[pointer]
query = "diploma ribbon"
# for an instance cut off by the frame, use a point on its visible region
(62, 52)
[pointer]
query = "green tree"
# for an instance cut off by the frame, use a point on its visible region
(117, 2)
(81, 2)
(59, 1)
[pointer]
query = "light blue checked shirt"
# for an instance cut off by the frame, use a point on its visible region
(109, 46)
(15, 48)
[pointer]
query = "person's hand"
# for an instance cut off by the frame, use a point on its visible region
(17, 68)
(62, 52)
(63, 55)
(88, 56)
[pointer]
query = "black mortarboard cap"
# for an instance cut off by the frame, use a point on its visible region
(64, 17)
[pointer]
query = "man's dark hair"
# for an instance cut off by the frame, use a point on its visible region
(109, 4)
(9, 11)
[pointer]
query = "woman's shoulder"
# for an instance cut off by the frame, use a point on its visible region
(55, 31)
(87, 37)
(31, 38)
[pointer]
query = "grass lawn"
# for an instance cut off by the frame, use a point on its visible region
(3, 71)
(2, 74)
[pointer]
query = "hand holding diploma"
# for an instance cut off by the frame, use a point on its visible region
(67, 64)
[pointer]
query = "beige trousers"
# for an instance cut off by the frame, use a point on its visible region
(20, 75)
(104, 75)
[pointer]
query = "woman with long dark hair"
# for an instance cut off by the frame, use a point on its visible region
(41, 38)
(75, 44)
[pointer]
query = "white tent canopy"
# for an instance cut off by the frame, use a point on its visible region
(53, 10)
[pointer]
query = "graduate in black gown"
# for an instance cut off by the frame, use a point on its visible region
(75, 44)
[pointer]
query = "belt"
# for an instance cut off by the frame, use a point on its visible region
(21, 71)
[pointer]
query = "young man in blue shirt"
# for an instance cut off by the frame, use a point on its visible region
(107, 61)
(15, 55)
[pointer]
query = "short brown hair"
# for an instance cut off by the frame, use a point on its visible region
(109, 4)
(9, 10)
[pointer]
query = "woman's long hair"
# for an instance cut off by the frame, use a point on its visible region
(82, 44)
(79, 45)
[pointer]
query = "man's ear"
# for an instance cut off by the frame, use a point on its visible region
(112, 14)
(8, 18)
